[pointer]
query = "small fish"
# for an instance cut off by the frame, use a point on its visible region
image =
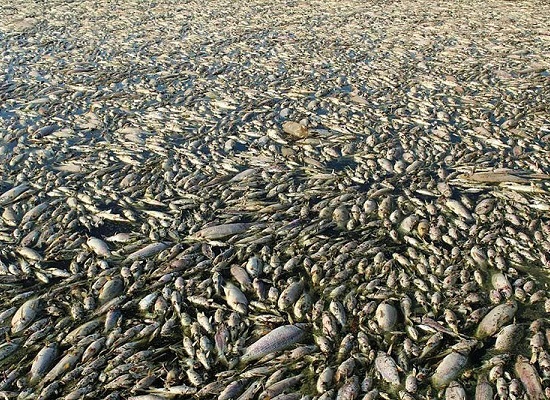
(146, 252)
(25, 315)
(386, 316)
(13, 193)
(8, 348)
(235, 298)
(496, 319)
(458, 208)
(387, 368)
(221, 231)
(30, 254)
(66, 363)
(448, 369)
(529, 377)
(99, 247)
(34, 213)
(484, 390)
(42, 362)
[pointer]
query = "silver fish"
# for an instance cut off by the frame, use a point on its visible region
(276, 340)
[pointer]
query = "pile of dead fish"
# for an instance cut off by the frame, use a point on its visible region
(274, 200)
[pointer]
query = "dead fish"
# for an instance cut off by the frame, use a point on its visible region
(455, 391)
(408, 224)
(99, 247)
(10, 195)
(244, 174)
(25, 315)
(232, 390)
(496, 319)
(221, 231)
(42, 362)
(30, 254)
(34, 213)
(386, 316)
(485, 206)
(387, 368)
(324, 380)
(484, 390)
(508, 337)
(44, 131)
(147, 251)
(290, 295)
(65, 364)
(529, 377)
(458, 208)
(119, 238)
(235, 298)
(8, 348)
(448, 369)
(111, 289)
(278, 339)
(174, 391)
